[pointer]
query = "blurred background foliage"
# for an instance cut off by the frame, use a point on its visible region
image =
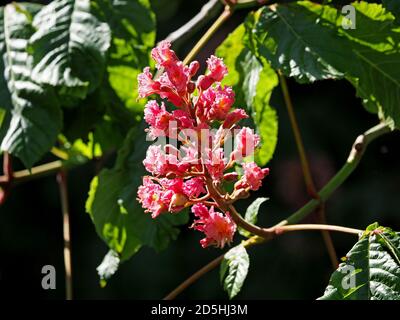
(295, 266)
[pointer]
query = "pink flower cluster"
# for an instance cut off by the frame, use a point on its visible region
(193, 174)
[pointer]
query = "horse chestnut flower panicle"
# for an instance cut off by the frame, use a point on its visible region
(192, 174)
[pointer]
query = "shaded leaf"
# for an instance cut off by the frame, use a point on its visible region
(394, 7)
(233, 270)
(133, 35)
(33, 111)
(289, 36)
(69, 47)
(371, 270)
(118, 217)
(251, 214)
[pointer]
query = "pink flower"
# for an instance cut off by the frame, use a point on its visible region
(253, 176)
(217, 71)
(178, 74)
(149, 195)
(191, 155)
(233, 117)
(157, 198)
(157, 162)
(168, 90)
(147, 86)
(184, 119)
(157, 116)
(163, 87)
(246, 142)
(194, 187)
(215, 162)
(215, 103)
(161, 163)
(173, 196)
(163, 55)
(217, 68)
(218, 228)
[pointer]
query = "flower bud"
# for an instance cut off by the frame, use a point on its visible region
(193, 68)
(178, 200)
(231, 176)
(204, 82)
(190, 87)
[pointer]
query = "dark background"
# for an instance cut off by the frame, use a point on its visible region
(295, 266)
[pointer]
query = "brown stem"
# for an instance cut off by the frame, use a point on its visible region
(237, 218)
(312, 191)
(36, 172)
(310, 185)
(7, 179)
(275, 231)
(194, 277)
(319, 227)
(330, 248)
(206, 13)
(63, 186)
(204, 39)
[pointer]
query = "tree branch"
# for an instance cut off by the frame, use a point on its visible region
(207, 13)
(194, 277)
(63, 187)
(308, 227)
(312, 191)
(7, 179)
(209, 33)
(353, 160)
(309, 181)
(36, 172)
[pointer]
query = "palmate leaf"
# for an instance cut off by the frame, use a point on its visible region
(289, 36)
(233, 270)
(371, 270)
(69, 48)
(253, 83)
(33, 117)
(118, 217)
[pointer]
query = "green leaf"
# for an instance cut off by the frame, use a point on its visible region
(253, 83)
(80, 121)
(393, 6)
(285, 35)
(371, 270)
(108, 267)
(33, 111)
(265, 116)
(289, 36)
(118, 217)
(233, 270)
(4, 123)
(133, 35)
(251, 214)
(69, 47)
